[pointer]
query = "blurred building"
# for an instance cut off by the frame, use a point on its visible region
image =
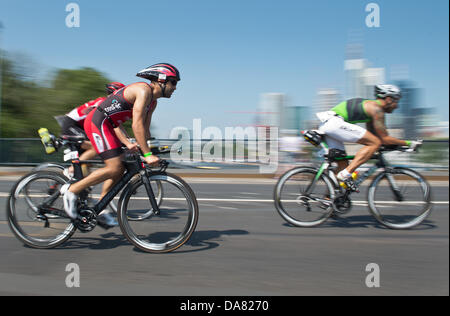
(360, 79)
(372, 77)
(354, 70)
(326, 99)
(270, 109)
(294, 119)
(412, 116)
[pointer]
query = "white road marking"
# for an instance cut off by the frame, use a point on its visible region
(4, 194)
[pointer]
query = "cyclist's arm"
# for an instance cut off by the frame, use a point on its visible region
(379, 128)
(148, 121)
(121, 133)
(369, 127)
(143, 96)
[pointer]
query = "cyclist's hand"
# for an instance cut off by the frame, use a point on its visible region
(413, 145)
(152, 160)
(133, 147)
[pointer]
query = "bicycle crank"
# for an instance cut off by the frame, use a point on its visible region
(86, 221)
(342, 204)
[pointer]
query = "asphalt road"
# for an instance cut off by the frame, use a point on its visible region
(241, 247)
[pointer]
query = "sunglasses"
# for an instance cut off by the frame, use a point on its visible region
(173, 82)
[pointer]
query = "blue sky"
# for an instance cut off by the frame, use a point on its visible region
(229, 52)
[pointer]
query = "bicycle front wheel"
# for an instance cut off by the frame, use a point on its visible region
(139, 215)
(27, 206)
(297, 203)
(399, 198)
(163, 232)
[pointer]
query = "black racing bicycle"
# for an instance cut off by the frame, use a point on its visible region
(59, 143)
(35, 208)
(399, 198)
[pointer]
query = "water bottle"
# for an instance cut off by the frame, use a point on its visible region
(46, 140)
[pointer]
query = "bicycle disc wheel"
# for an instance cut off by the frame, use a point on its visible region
(27, 197)
(165, 231)
(399, 198)
(295, 205)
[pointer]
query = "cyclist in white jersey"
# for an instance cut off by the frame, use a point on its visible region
(339, 126)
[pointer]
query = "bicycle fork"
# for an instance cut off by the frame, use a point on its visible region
(394, 187)
(150, 193)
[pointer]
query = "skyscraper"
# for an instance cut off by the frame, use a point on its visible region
(326, 99)
(371, 78)
(270, 108)
(295, 118)
(354, 72)
(410, 110)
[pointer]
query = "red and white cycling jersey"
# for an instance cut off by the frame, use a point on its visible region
(80, 113)
(100, 123)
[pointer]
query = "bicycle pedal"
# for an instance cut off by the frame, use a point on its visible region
(44, 219)
(349, 185)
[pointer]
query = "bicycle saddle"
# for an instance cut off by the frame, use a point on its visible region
(73, 138)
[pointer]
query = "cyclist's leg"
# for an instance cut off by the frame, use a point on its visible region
(338, 131)
(371, 144)
(337, 144)
(88, 154)
(107, 145)
(113, 169)
(109, 183)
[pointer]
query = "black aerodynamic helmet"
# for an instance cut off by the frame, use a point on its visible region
(160, 72)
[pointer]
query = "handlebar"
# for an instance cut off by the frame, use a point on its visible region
(132, 157)
(385, 148)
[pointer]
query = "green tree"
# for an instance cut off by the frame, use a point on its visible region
(28, 105)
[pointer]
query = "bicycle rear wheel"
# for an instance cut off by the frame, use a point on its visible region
(298, 207)
(163, 232)
(399, 198)
(26, 219)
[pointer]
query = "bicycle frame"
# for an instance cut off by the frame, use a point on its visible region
(133, 167)
(381, 163)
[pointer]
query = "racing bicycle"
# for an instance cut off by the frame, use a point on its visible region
(60, 142)
(35, 208)
(398, 197)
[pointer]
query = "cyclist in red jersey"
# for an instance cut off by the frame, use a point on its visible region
(72, 123)
(137, 102)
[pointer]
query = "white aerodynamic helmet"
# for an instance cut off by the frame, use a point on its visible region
(387, 90)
